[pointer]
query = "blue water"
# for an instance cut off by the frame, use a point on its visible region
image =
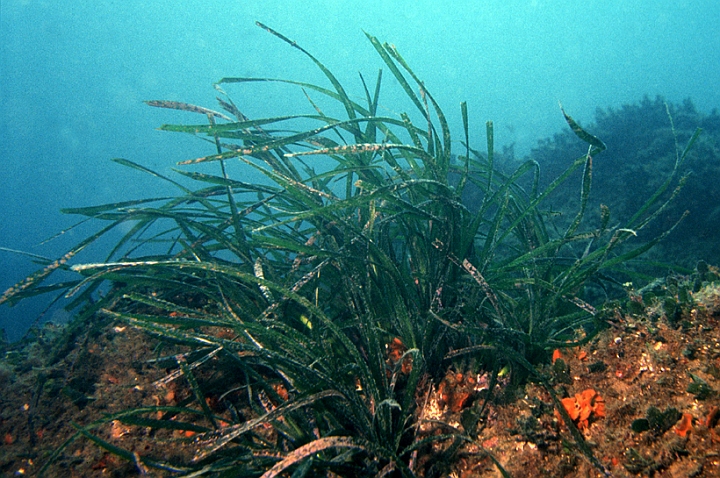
(74, 74)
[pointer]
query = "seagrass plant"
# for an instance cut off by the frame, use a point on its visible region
(357, 244)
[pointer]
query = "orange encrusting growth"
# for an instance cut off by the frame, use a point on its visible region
(583, 406)
(396, 350)
(685, 425)
(456, 391)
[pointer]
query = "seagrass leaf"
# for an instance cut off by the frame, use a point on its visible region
(41, 290)
(584, 196)
(141, 462)
(444, 152)
(197, 391)
(530, 209)
(324, 91)
(364, 148)
(643, 248)
(372, 102)
(294, 246)
(176, 105)
(240, 186)
(582, 134)
(115, 450)
(94, 211)
(82, 431)
(343, 97)
(529, 256)
(274, 144)
(37, 258)
(234, 272)
(488, 250)
(312, 448)
(39, 276)
(466, 159)
(156, 424)
(211, 442)
(219, 128)
(327, 210)
(495, 198)
(134, 165)
(409, 91)
(666, 184)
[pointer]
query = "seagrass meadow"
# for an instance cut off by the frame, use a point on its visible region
(319, 322)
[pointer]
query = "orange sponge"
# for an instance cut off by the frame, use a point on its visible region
(583, 406)
(685, 425)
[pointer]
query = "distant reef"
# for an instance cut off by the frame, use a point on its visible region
(644, 140)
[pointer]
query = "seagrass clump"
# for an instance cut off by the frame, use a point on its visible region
(330, 295)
